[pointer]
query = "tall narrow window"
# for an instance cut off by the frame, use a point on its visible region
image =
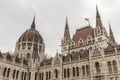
(25, 76)
(21, 75)
(49, 75)
(97, 66)
(68, 72)
(36, 76)
(83, 70)
(109, 67)
(77, 71)
(56, 73)
(8, 72)
(115, 67)
(17, 74)
(29, 75)
(73, 72)
(46, 75)
(4, 72)
(64, 73)
(87, 69)
(14, 74)
(42, 76)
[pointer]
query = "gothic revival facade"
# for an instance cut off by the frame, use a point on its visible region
(91, 54)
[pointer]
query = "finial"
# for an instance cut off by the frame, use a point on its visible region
(66, 26)
(33, 23)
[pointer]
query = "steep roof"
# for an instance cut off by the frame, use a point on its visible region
(83, 33)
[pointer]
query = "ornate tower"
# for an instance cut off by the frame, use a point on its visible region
(65, 43)
(30, 45)
(100, 33)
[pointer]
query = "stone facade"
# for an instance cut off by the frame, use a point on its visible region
(91, 54)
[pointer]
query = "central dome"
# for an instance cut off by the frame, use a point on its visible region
(31, 35)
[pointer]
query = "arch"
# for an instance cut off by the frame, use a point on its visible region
(109, 67)
(8, 72)
(97, 66)
(115, 66)
(4, 72)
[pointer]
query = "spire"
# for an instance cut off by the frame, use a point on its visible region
(66, 32)
(97, 12)
(111, 33)
(33, 23)
(98, 19)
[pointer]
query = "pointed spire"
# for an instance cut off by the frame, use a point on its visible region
(98, 19)
(33, 23)
(110, 30)
(111, 33)
(97, 12)
(66, 32)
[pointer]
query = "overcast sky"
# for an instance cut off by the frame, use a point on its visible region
(16, 17)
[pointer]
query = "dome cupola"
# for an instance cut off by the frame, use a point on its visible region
(30, 44)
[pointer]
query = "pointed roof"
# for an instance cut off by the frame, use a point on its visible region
(66, 32)
(111, 33)
(33, 23)
(98, 19)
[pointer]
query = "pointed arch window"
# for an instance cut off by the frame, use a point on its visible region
(68, 72)
(5, 69)
(56, 73)
(115, 67)
(73, 72)
(77, 71)
(87, 69)
(8, 72)
(64, 73)
(14, 74)
(97, 66)
(83, 70)
(109, 67)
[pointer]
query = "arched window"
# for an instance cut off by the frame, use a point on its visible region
(28, 56)
(17, 74)
(83, 70)
(97, 66)
(56, 73)
(8, 72)
(42, 76)
(68, 72)
(36, 76)
(22, 75)
(29, 75)
(4, 72)
(14, 74)
(87, 69)
(109, 67)
(46, 75)
(77, 71)
(64, 73)
(25, 76)
(115, 67)
(49, 75)
(73, 72)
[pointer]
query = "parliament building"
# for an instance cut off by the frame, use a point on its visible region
(91, 53)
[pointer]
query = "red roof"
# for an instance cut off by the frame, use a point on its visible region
(83, 33)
